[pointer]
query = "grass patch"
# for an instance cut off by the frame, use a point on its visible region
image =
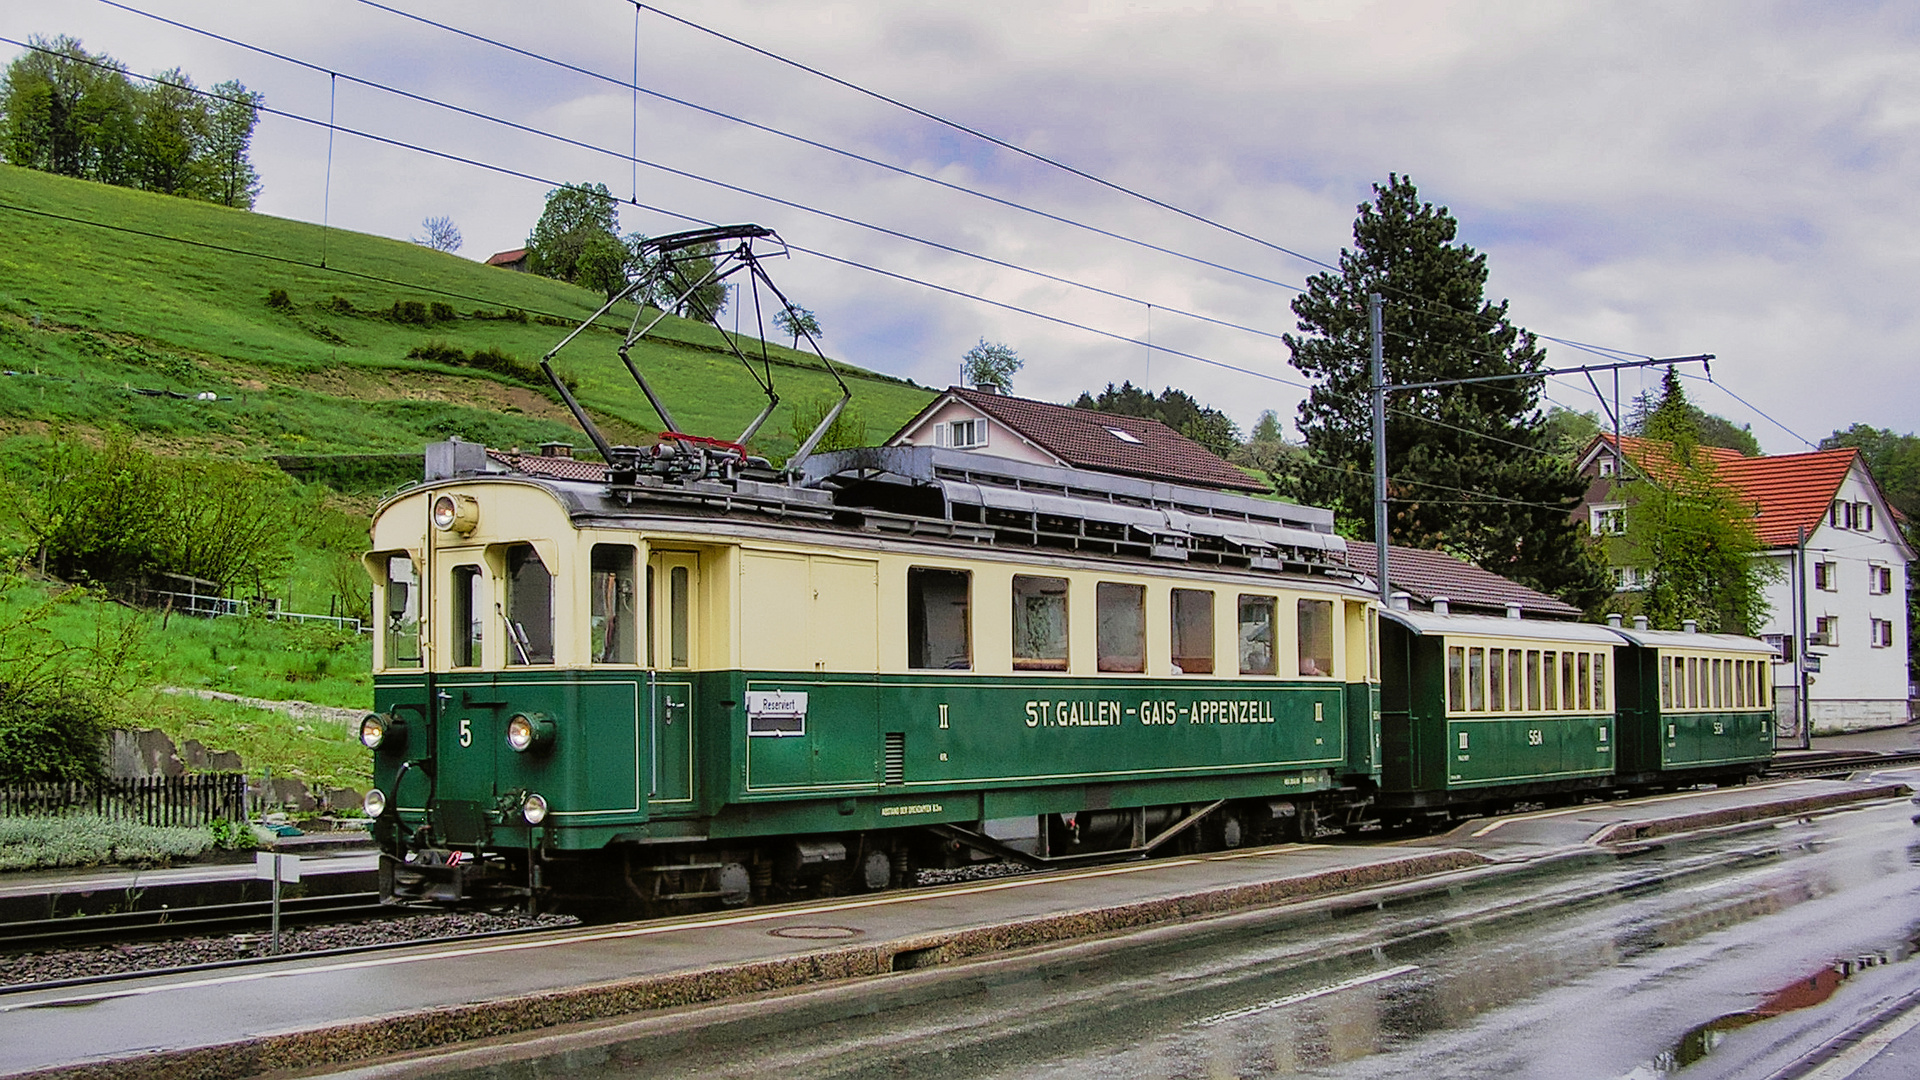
(315, 751)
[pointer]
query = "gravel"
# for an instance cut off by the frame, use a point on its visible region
(156, 955)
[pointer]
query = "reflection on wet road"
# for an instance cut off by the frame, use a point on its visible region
(1723, 958)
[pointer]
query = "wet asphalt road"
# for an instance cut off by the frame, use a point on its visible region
(1734, 957)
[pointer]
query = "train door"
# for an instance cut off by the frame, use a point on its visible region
(469, 732)
(673, 580)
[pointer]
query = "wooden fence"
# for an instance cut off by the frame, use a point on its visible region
(166, 800)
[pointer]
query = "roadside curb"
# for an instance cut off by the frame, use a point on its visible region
(1627, 832)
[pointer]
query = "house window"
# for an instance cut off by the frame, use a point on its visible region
(1879, 580)
(1863, 516)
(1606, 466)
(1039, 623)
(1841, 516)
(1609, 520)
(1192, 631)
(1826, 576)
(962, 434)
(1631, 578)
(1826, 630)
(1882, 633)
(1782, 647)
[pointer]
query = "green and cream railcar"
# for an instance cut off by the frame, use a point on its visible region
(1694, 705)
(1478, 710)
(721, 689)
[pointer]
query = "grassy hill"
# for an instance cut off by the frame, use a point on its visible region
(106, 292)
(163, 317)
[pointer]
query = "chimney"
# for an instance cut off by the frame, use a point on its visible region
(987, 387)
(1613, 618)
(1690, 626)
(1440, 605)
(1513, 611)
(1399, 601)
(556, 449)
(1640, 622)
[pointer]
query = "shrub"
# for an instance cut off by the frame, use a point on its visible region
(512, 314)
(408, 311)
(278, 300)
(47, 842)
(340, 305)
(436, 351)
(440, 312)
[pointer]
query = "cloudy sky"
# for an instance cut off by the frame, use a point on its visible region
(1730, 177)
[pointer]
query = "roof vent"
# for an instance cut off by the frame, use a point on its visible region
(1613, 618)
(1690, 626)
(556, 449)
(1399, 601)
(1640, 622)
(1513, 611)
(1440, 605)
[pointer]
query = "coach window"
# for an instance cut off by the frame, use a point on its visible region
(1533, 680)
(1121, 616)
(1740, 681)
(613, 621)
(1516, 679)
(1039, 623)
(1192, 631)
(529, 607)
(938, 623)
(679, 617)
(400, 641)
(1666, 684)
(1316, 637)
(1548, 660)
(468, 605)
(1567, 694)
(1477, 680)
(1456, 679)
(1256, 636)
(1497, 680)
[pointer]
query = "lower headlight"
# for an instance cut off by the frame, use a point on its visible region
(375, 803)
(534, 809)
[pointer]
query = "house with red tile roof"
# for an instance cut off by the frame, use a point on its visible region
(1838, 610)
(985, 421)
(515, 259)
(1441, 582)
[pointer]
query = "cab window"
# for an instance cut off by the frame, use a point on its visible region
(1192, 632)
(400, 621)
(529, 607)
(612, 620)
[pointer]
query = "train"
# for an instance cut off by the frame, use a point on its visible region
(597, 691)
(679, 677)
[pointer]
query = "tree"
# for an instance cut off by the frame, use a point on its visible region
(575, 238)
(230, 179)
(1472, 470)
(990, 364)
(684, 283)
(1708, 429)
(1178, 410)
(1894, 461)
(797, 321)
(173, 131)
(67, 111)
(1694, 534)
(440, 234)
(1569, 432)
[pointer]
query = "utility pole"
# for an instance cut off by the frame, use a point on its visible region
(1379, 446)
(1381, 388)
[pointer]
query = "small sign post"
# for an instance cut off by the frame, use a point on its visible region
(275, 867)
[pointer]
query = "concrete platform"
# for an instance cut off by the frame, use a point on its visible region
(295, 1013)
(47, 894)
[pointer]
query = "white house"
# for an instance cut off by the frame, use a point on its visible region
(1827, 527)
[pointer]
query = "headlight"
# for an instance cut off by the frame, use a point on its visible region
(378, 730)
(375, 803)
(456, 513)
(526, 733)
(534, 809)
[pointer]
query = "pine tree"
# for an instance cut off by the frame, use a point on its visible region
(1473, 470)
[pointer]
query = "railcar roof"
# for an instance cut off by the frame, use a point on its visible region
(1677, 639)
(1428, 624)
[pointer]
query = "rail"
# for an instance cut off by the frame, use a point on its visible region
(167, 924)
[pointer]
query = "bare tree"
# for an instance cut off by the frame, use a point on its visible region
(441, 234)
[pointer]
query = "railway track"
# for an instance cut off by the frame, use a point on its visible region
(163, 924)
(1843, 764)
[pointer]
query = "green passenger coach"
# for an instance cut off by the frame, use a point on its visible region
(1693, 705)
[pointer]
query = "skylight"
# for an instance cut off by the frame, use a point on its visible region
(1123, 436)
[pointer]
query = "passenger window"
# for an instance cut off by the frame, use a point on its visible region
(1316, 637)
(1550, 658)
(1693, 683)
(467, 608)
(1740, 683)
(1584, 677)
(1666, 684)
(679, 617)
(1600, 680)
(400, 640)
(1515, 680)
(1456, 679)
(612, 619)
(1120, 612)
(1039, 623)
(939, 633)
(1567, 697)
(1192, 632)
(1477, 680)
(1256, 636)
(529, 607)
(1496, 680)
(1533, 680)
